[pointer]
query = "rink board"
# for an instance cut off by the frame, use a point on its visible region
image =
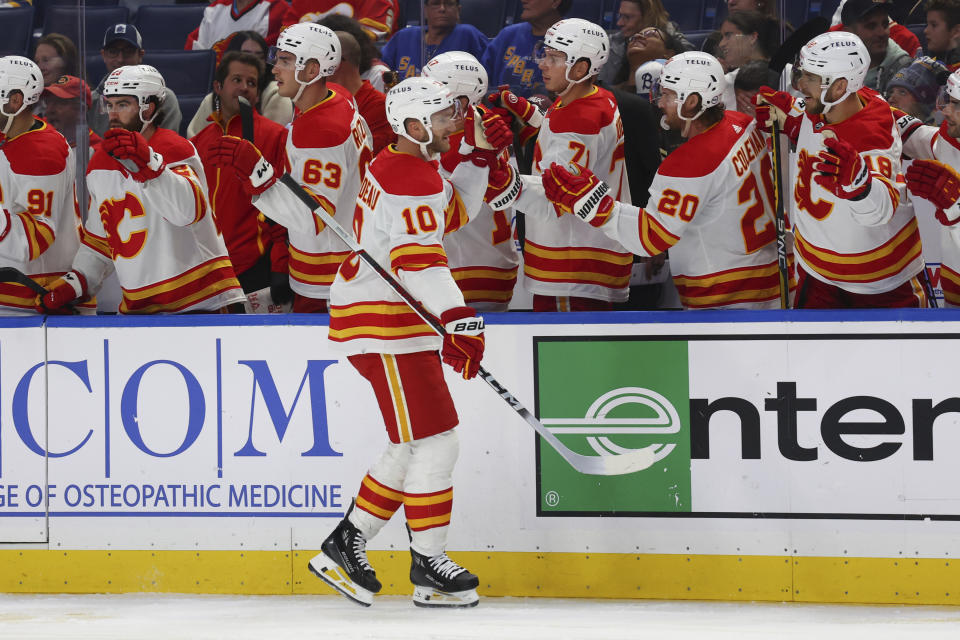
(806, 456)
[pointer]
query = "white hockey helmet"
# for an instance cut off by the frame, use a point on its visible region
(19, 74)
(950, 90)
(308, 41)
(579, 38)
(694, 72)
(417, 99)
(461, 72)
(140, 80)
(834, 55)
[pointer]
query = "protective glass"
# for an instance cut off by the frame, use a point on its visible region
(548, 56)
(946, 101)
(447, 117)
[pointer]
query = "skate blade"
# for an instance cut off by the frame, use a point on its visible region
(331, 573)
(430, 597)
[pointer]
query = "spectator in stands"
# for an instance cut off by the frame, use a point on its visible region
(257, 249)
(56, 55)
(371, 66)
(62, 107)
(509, 58)
(270, 104)
(408, 50)
(635, 16)
(370, 103)
(943, 31)
(746, 36)
(122, 47)
(377, 17)
(222, 18)
(749, 78)
(870, 21)
(898, 33)
(766, 7)
(914, 89)
(646, 46)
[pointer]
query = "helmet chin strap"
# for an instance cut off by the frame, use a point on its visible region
(827, 105)
(571, 81)
(10, 117)
(303, 85)
(423, 145)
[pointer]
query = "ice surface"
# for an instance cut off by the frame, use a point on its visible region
(203, 617)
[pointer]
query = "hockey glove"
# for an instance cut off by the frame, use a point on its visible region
(938, 183)
(463, 342)
(255, 173)
(583, 194)
(518, 106)
(63, 291)
(842, 171)
(773, 105)
(130, 145)
(280, 291)
(484, 130)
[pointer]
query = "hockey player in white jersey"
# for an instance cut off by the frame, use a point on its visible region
(328, 150)
(404, 210)
(148, 218)
(933, 176)
(39, 220)
(855, 246)
(482, 256)
(567, 266)
(711, 201)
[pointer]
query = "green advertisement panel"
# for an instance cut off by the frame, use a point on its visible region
(604, 396)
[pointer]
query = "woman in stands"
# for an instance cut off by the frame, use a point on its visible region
(56, 55)
(745, 37)
(271, 104)
(636, 16)
(645, 46)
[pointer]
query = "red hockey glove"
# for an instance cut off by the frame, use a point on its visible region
(130, 145)
(842, 171)
(66, 289)
(255, 173)
(583, 193)
(518, 106)
(770, 104)
(503, 184)
(463, 342)
(938, 183)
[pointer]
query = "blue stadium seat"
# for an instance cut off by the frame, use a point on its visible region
(610, 8)
(96, 69)
(697, 38)
(486, 15)
(713, 12)
(688, 14)
(188, 109)
(917, 30)
(186, 72)
(511, 11)
(17, 30)
(40, 6)
(65, 20)
(166, 26)
(410, 12)
(796, 13)
(591, 10)
(823, 8)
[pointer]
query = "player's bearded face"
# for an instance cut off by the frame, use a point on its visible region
(668, 105)
(123, 112)
(951, 112)
(444, 123)
(809, 85)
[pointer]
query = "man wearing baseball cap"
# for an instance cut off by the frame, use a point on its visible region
(62, 107)
(122, 47)
(870, 21)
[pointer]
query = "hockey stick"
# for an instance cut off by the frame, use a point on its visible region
(778, 62)
(12, 274)
(611, 465)
(246, 118)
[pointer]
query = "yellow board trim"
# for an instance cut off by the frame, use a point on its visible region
(929, 581)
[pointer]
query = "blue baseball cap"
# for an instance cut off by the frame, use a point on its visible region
(125, 32)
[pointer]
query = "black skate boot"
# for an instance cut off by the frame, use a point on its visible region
(342, 563)
(441, 582)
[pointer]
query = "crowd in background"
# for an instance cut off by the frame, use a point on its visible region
(377, 53)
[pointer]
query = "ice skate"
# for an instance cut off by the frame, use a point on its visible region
(342, 563)
(441, 582)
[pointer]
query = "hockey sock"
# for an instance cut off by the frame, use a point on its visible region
(376, 504)
(428, 491)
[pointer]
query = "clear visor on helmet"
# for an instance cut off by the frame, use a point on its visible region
(447, 117)
(288, 61)
(946, 101)
(548, 56)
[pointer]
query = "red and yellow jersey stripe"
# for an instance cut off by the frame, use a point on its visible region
(380, 320)
(455, 215)
(582, 265)
(416, 257)
(950, 282)
(20, 296)
(95, 242)
(38, 235)
(654, 237)
(200, 283)
(315, 268)
(730, 287)
(486, 284)
(885, 261)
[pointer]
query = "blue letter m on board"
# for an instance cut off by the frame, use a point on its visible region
(280, 417)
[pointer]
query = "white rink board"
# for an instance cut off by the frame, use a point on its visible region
(172, 404)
